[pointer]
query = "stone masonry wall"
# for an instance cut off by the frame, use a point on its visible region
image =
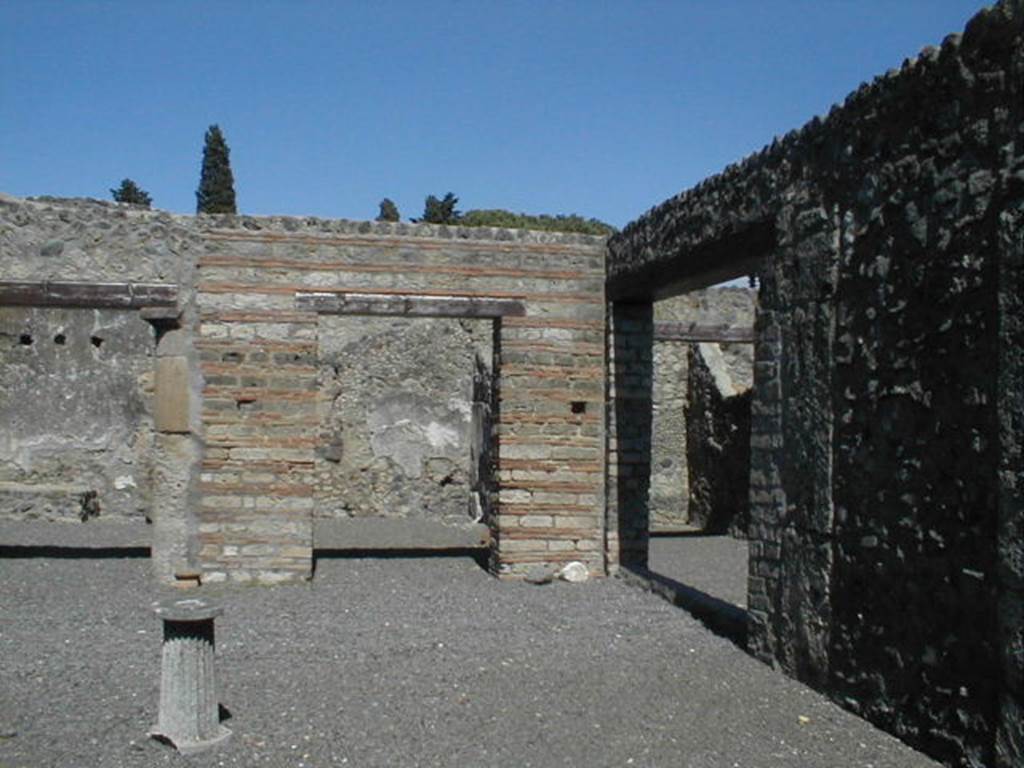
(717, 445)
(1010, 408)
(246, 405)
(77, 440)
(885, 468)
(399, 424)
(79, 415)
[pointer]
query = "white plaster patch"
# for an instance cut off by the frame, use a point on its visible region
(408, 429)
(464, 407)
(440, 436)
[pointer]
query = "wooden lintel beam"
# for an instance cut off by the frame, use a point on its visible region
(46, 293)
(691, 332)
(159, 314)
(407, 305)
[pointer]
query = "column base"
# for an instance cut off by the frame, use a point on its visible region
(186, 747)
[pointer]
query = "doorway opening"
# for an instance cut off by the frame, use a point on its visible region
(404, 461)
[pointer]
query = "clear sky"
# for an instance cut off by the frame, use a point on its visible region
(597, 107)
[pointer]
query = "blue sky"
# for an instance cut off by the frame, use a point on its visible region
(584, 106)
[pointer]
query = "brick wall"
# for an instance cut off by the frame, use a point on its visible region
(262, 403)
(630, 359)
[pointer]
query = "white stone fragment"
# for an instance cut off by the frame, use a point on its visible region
(574, 572)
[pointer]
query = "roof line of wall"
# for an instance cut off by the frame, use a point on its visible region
(312, 226)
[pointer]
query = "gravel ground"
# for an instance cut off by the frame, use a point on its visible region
(716, 565)
(404, 662)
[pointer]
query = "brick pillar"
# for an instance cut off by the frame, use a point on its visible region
(548, 451)
(630, 363)
(260, 415)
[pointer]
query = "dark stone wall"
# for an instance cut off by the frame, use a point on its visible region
(791, 453)
(916, 446)
(628, 436)
(886, 474)
(717, 444)
(1010, 407)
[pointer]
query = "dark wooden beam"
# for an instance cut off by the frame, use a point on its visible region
(408, 305)
(47, 293)
(691, 332)
(159, 314)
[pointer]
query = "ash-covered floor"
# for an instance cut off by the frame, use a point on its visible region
(402, 662)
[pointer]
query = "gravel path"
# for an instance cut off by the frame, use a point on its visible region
(716, 565)
(405, 662)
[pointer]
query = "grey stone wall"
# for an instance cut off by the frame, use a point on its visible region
(91, 240)
(399, 429)
(885, 467)
(262, 412)
(669, 494)
(728, 306)
(75, 404)
(82, 412)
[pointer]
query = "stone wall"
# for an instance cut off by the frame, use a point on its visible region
(1009, 405)
(628, 449)
(886, 465)
(885, 482)
(102, 378)
(399, 427)
(717, 444)
(78, 431)
(239, 414)
(729, 307)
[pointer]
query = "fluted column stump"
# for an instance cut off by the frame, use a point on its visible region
(189, 716)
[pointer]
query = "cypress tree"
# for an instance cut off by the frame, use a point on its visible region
(388, 210)
(216, 193)
(441, 211)
(130, 192)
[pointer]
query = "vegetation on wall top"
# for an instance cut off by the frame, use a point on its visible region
(496, 217)
(443, 211)
(130, 192)
(388, 210)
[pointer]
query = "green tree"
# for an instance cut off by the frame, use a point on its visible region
(440, 211)
(497, 217)
(130, 192)
(216, 193)
(388, 210)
